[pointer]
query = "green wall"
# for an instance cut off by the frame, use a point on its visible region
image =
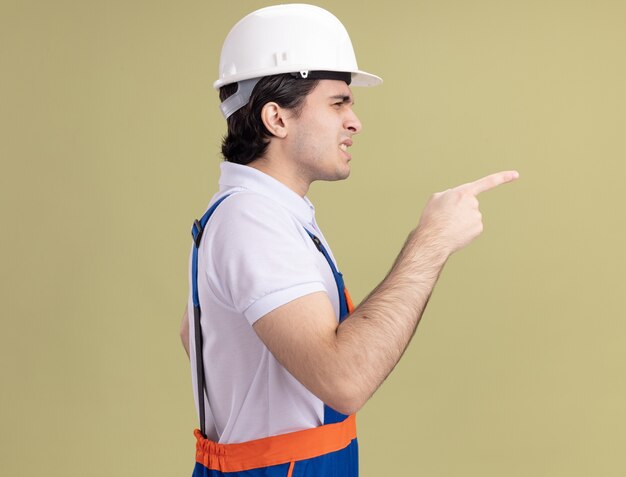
(110, 147)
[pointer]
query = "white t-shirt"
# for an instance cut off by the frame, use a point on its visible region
(255, 255)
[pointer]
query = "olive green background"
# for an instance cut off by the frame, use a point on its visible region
(110, 148)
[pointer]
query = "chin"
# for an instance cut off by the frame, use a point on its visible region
(338, 174)
(341, 175)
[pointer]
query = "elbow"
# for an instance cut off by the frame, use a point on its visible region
(345, 388)
(347, 408)
(346, 398)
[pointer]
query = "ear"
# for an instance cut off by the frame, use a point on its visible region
(272, 116)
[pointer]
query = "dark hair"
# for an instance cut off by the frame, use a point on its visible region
(247, 136)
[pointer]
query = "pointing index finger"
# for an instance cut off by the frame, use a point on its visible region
(491, 181)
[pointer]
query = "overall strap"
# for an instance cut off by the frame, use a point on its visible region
(196, 233)
(345, 308)
(345, 304)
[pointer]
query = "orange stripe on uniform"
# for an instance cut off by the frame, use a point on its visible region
(275, 450)
(349, 300)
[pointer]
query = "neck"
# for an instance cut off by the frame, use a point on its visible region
(282, 173)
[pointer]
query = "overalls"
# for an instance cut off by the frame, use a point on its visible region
(330, 450)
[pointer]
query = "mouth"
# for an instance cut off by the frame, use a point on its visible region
(345, 145)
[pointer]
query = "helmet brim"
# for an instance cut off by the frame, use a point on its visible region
(362, 78)
(359, 78)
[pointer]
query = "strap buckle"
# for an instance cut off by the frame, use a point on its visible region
(196, 232)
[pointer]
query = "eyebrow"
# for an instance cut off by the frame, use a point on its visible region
(343, 97)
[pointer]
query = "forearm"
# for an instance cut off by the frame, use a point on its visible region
(372, 340)
(344, 364)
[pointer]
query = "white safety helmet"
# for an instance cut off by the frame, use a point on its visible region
(295, 38)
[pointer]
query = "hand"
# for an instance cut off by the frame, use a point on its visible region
(452, 219)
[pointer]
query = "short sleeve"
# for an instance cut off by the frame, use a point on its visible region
(258, 256)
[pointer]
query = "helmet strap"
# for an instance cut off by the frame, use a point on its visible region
(244, 88)
(240, 98)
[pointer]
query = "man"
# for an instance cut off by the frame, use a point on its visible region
(283, 368)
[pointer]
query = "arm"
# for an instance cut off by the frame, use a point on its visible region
(344, 364)
(184, 331)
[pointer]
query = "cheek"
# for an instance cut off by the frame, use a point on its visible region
(318, 141)
(306, 146)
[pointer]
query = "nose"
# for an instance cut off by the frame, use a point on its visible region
(352, 122)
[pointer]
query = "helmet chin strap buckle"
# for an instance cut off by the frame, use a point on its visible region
(240, 98)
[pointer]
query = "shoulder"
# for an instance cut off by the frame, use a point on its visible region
(258, 255)
(248, 223)
(250, 211)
